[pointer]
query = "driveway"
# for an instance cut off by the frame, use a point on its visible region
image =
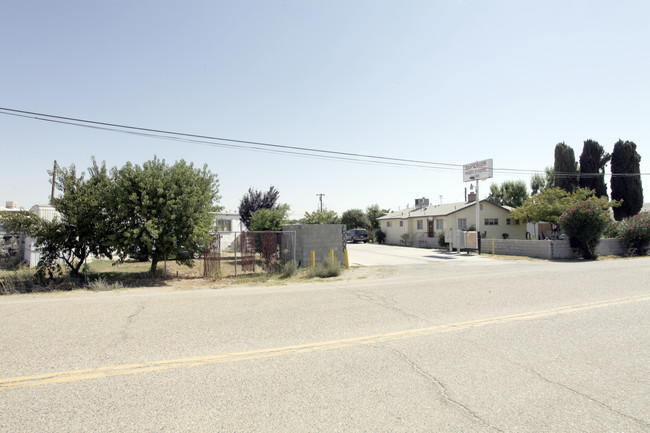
(391, 255)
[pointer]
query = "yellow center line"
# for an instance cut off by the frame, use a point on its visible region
(126, 369)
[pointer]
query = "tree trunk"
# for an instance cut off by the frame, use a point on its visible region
(154, 264)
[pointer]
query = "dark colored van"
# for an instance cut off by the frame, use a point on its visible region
(357, 235)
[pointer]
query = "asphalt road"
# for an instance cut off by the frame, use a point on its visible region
(477, 345)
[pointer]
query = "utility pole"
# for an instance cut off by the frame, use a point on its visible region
(53, 181)
(320, 198)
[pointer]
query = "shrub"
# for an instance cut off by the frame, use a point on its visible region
(16, 281)
(102, 285)
(613, 229)
(441, 240)
(289, 269)
(635, 232)
(585, 224)
(380, 236)
(324, 269)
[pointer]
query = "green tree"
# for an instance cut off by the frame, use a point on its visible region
(355, 218)
(373, 212)
(592, 167)
(269, 219)
(321, 217)
(565, 168)
(551, 203)
(585, 223)
(539, 182)
(162, 211)
(511, 193)
(82, 227)
(626, 179)
(254, 200)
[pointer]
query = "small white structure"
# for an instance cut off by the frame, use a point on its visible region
(229, 227)
(11, 244)
(32, 254)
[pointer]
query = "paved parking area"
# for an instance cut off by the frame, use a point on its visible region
(391, 255)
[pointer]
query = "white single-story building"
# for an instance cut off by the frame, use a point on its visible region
(11, 244)
(228, 226)
(48, 213)
(25, 244)
(421, 225)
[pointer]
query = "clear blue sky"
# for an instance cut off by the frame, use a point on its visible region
(442, 81)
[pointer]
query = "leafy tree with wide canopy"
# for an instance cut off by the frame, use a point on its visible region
(83, 226)
(539, 182)
(626, 179)
(551, 203)
(269, 219)
(373, 212)
(511, 193)
(355, 219)
(321, 217)
(162, 211)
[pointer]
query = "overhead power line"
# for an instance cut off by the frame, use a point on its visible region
(299, 151)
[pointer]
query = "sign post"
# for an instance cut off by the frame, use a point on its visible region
(477, 171)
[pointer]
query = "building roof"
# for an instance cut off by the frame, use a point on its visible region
(440, 210)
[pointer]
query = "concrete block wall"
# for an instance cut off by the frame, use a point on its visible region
(515, 247)
(320, 238)
(547, 249)
(612, 247)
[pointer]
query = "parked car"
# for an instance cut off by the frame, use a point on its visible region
(358, 235)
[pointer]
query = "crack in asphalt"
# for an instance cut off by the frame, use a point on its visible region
(129, 321)
(581, 394)
(385, 302)
(444, 392)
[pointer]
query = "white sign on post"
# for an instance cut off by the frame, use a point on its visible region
(479, 170)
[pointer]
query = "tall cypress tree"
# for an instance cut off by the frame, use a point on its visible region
(565, 168)
(626, 179)
(593, 160)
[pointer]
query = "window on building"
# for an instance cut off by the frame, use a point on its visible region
(440, 224)
(224, 225)
(491, 221)
(389, 224)
(401, 223)
(510, 221)
(420, 225)
(462, 223)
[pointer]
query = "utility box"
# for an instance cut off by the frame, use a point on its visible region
(461, 240)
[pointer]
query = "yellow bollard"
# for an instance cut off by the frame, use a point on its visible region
(313, 259)
(347, 260)
(332, 256)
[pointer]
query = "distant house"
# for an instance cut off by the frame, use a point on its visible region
(48, 213)
(421, 225)
(19, 243)
(228, 226)
(12, 245)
